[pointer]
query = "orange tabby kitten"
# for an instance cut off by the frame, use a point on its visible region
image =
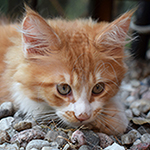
(65, 70)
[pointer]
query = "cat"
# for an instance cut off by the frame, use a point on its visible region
(69, 71)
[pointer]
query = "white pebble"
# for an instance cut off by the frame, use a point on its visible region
(130, 99)
(130, 137)
(49, 148)
(6, 123)
(138, 141)
(6, 146)
(37, 144)
(135, 111)
(129, 113)
(66, 147)
(115, 146)
(135, 83)
(145, 138)
(148, 115)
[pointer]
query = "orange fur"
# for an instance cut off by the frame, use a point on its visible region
(80, 53)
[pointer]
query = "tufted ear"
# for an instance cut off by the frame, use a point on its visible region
(38, 37)
(114, 35)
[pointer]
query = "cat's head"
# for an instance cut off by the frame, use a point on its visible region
(73, 66)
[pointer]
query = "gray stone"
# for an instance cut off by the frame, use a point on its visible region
(135, 83)
(130, 99)
(140, 120)
(22, 125)
(124, 95)
(146, 95)
(49, 148)
(130, 137)
(145, 138)
(57, 136)
(6, 146)
(6, 123)
(138, 141)
(136, 111)
(129, 113)
(91, 138)
(4, 137)
(142, 105)
(38, 144)
(24, 137)
(105, 140)
(142, 130)
(85, 147)
(6, 109)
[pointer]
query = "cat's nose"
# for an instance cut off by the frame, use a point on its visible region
(83, 117)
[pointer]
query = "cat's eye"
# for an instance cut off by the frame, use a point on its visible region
(63, 89)
(98, 88)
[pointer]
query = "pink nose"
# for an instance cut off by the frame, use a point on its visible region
(83, 117)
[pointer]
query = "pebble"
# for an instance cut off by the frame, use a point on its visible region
(146, 95)
(124, 95)
(145, 138)
(92, 139)
(7, 146)
(141, 130)
(24, 137)
(6, 123)
(115, 146)
(130, 99)
(135, 83)
(78, 138)
(22, 125)
(140, 120)
(66, 147)
(141, 146)
(142, 105)
(129, 113)
(6, 109)
(143, 89)
(130, 137)
(137, 142)
(105, 140)
(128, 88)
(136, 111)
(38, 144)
(4, 137)
(148, 115)
(85, 147)
(58, 136)
(49, 148)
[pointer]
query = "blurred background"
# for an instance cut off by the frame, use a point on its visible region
(70, 9)
(100, 10)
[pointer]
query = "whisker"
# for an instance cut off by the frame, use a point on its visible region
(110, 128)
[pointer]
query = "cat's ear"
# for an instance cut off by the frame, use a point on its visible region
(114, 35)
(38, 37)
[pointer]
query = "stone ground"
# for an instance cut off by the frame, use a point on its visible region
(19, 134)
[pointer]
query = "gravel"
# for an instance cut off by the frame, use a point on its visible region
(16, 133)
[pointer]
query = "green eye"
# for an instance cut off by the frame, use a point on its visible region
(63, 89)
(98, 88)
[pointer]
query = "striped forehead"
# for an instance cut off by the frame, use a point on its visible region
(78, 80)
